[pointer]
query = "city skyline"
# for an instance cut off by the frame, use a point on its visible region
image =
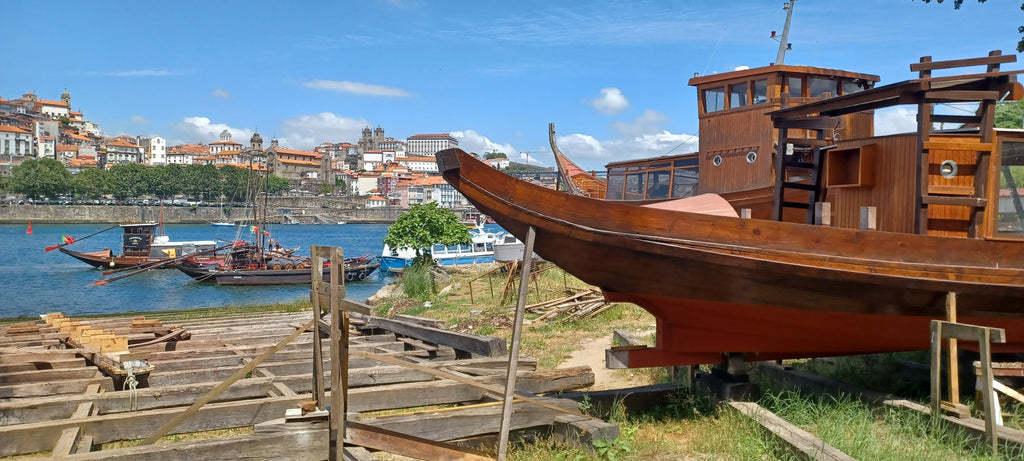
(611, 76)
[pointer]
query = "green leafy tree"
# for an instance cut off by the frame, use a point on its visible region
(43, 177)
(491, 155)
(958, 3)
(1009, 114)
(127, 180)
(201, 181)
(277, 184)
(234, 182)
(423, 226)
(90, 183)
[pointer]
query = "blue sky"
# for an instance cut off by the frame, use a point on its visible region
(611, 75)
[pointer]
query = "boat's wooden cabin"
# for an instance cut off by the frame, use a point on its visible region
(137, 239)
(737, 138)
(653, 178)
(933, 181)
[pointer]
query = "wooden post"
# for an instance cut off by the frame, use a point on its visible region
(868, 218)
(823, 213)
(339, 350)
(319, 393)
(517, 330)
(954, 366)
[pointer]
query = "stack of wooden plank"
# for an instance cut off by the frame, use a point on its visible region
(583, 304)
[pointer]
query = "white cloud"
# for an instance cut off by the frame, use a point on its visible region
(642, 137)
(610, 102)
(355, 88)
(471, 141)
(308, 131)
(202, 129)
(222, 94)
(139, 119)
(891, 120)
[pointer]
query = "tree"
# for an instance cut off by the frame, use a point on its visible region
(277, 184)
(127, 180)
(90, 183)
(491, 155)
(234, 182)
(44, 177)
(1009, 114)
(958, 3)
(423, 226)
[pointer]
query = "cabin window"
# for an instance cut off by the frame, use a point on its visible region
(692, 161)
(634, 189)
(615, 183)
(819, 86)
(760, 91)
(684, 182)
(657, 184)
(738, 95)
(714, 99)
(796, 87)
(1011, 188)
(853, 86)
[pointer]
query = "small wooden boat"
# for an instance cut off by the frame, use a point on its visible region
(772, 259)
(142, 246)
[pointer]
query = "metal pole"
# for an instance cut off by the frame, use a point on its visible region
(517, 330)
(784, 46)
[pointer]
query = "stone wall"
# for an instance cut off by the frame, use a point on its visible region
(310, 213)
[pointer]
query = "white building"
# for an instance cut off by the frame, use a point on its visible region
(421, 145)
(224, 144)
(16, 141)
(155, 149)
(419, 164)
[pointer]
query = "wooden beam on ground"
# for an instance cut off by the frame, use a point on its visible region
(406, 445)
(478, 420)
(486, 346)
(517, 331)
(799, 439)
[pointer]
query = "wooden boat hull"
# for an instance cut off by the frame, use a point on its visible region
(767, 289)
(213, 274)
(106, 259)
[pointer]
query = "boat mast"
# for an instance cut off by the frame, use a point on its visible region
(784, 45)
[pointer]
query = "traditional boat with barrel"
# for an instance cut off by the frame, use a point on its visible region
(806, 235)
(142, 245)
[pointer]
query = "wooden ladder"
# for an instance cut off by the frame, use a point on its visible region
(807, 156)
(975, 200)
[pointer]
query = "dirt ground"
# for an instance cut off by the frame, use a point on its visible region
(592, 354)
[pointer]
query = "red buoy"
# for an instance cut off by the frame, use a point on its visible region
(29, 231)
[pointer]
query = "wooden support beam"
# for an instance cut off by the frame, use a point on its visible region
(486, 346)
(801, 440)
(517, 330)
(407, 445)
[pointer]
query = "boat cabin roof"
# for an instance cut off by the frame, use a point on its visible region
(745, 74)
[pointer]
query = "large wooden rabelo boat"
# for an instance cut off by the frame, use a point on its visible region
(142, 245)
(808, 235)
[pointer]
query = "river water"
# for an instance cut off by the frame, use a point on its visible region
(33, 281)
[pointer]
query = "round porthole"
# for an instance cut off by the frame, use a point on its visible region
(716, 160)
(948, 169)
(751, 156)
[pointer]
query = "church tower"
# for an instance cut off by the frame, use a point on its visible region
(65, 97)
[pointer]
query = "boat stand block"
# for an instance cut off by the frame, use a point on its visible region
(727, 388)
(581, 431)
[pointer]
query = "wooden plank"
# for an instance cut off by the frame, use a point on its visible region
(68, 386)
(953, 145)
(944, 96)
(801, 440)
(67, 442)
(33, 376)
(950, 200)
(459, 424)
(985, 61)
(486, 346)
(407, 445)
(77, 362)
(950, 190)
(35, 437)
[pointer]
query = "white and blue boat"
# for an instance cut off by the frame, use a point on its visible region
(479, 250)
